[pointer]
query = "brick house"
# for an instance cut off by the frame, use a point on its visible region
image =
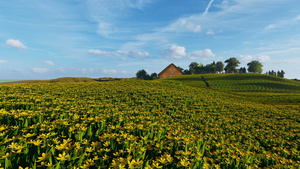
(170, 71)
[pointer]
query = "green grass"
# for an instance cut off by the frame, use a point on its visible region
(248, 82)
(249, 86)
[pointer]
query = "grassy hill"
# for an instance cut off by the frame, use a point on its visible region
(247, 82)
(253, 87)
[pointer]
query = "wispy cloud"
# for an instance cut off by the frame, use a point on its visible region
(3, 61)
(283, 23)
(208, 6)
(134, 54)
(110, 71)
(182, 25)
(40, 70)
(15, 44)
(249, 58)
(107, 13)
(48, 62)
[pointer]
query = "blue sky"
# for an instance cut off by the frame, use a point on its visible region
(116, 38)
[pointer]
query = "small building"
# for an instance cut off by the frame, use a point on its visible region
(170, 71)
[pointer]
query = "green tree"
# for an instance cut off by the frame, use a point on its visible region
(242, 70)
(254, 67)
(154, 76)
(186, 72)
(194, 65)
(220, 66)
(180, 68)
(232, 63)
(280, 73)
(142, 74)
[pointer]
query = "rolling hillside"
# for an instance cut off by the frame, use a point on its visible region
(249, 86)
(248, 82)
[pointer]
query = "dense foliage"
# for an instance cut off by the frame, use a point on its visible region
(172, 123)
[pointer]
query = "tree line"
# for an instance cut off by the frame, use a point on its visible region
(215, 67)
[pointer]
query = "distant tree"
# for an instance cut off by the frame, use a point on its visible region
(220, 66)
(142, 74)
(194, 65)
(180, 68)
(210, 68)
(232, 63)
(186, 72)
(280, 73)
(153, 76)
(242, 70)
(192, 70)
(254, 67)
(213, 67)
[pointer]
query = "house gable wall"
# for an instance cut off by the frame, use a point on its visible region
(170, 71)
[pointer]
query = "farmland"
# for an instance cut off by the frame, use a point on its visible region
(196, 121)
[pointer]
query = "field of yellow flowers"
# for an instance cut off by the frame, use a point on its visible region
(143, 124)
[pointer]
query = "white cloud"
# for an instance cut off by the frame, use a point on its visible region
(137, 54)
(292, 60)
(134, 54)
(174, 52)
(210, 32)
(40, 70)
(270, 26)
(48, 62)
(202, 54)
(3, 61)
(104, 29)
(183, 25)
(124, 71)
(110, 71)
(178, 52)
(102, 53)
(15, 44)
(297, 17)
(249, 58)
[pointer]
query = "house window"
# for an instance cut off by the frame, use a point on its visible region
(172, 70)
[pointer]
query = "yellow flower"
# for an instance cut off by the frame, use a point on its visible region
(106, 144)
(44, 156)
(131, 163)
(48, 164)
(6, 155)
(37, 142)
(89, 149)
(156, 165)
(105, 157)
(121, 166)
(29, 135)
(23, 168)
(184, 162)
(63, 157)
(217, 166)
(138, 163)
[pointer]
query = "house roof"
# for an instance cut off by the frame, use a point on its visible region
(168, 67)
